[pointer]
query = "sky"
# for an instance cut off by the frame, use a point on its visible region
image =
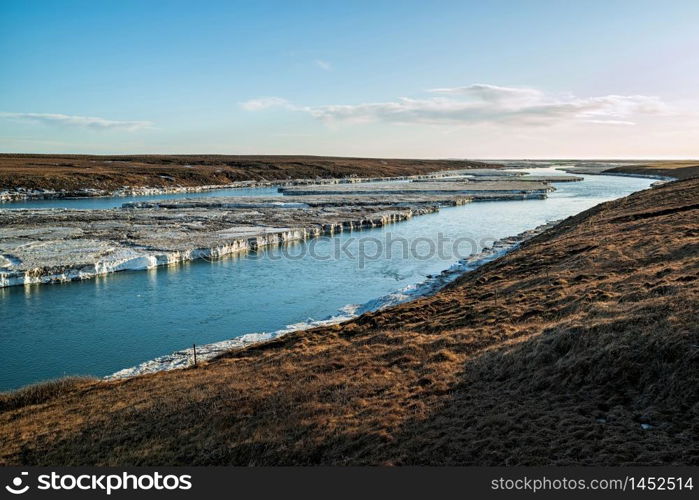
(438, 79)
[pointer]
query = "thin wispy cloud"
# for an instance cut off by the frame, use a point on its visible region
(611, 122)
(493, 93)
(324, 65)
(265, 103)
(483, 103)
(91, 122)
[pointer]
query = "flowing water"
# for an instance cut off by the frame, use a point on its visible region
(100, 326)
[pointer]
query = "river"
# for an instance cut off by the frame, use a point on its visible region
(100, 326)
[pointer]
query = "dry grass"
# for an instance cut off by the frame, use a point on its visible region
(554, 354)
(75, 172)
(41, 392)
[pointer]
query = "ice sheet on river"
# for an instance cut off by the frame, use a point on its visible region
(57, 245)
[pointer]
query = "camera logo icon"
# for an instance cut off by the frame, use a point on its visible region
(16, 487)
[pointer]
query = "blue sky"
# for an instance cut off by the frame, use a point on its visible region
(512, 78)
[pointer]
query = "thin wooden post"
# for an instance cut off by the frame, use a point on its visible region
(194, 348)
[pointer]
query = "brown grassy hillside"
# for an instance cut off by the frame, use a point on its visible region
(73, 172)
(559, 353)
(679, 169)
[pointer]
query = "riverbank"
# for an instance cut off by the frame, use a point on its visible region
(23, 194)
(63, 176)
(661, 170)
(185, 358)
(678, 169)
(578, 347)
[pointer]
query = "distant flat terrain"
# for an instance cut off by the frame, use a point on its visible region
(77, 172)
(677, 169)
